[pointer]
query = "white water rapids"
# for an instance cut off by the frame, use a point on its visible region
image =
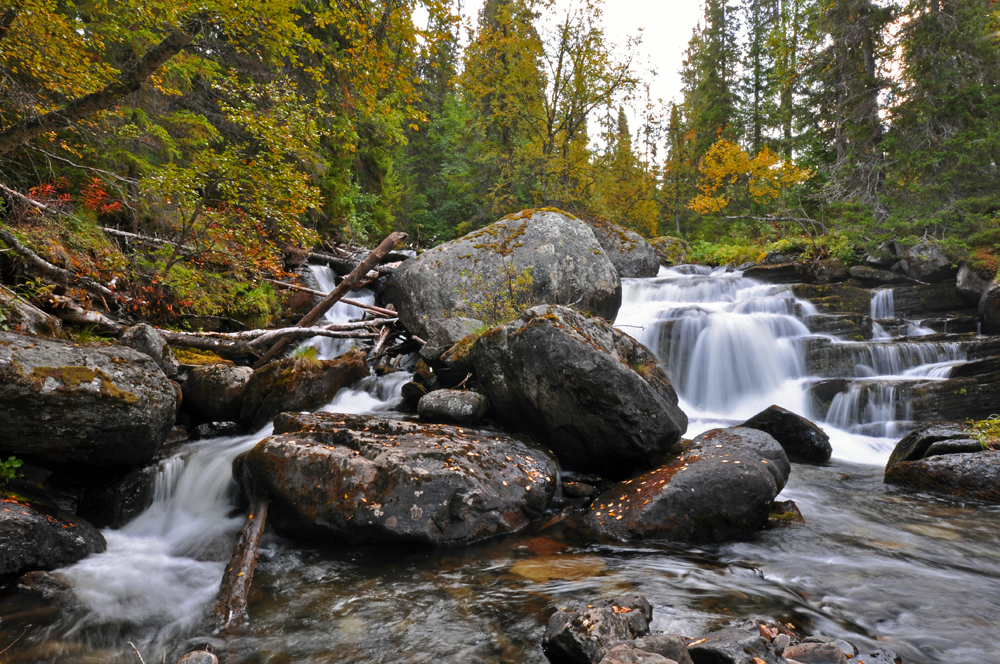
(865, 564)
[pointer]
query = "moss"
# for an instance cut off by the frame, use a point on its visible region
(198, 357)
(74, 377)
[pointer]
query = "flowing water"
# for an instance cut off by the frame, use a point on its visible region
(877, 565)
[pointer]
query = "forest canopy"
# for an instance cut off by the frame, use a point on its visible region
(238, 133)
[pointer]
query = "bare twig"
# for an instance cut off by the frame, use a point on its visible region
(12, 643)
(137, 652)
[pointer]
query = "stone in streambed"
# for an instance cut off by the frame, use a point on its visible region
(670, 647)
(802, 440)
(458, 406)
(567, 264)
(212, 392)
(67, 405)
(297, 384)
(734, 645)
(199, 657)
(575, 635)
(358, 478)
(592, 394)
(626, 654)
(36, 536)
(815, 653)
(721, 489)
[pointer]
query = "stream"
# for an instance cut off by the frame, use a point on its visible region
(876, 565)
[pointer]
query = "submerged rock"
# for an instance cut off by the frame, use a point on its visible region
(35, 536)
(458, 406)
(720, 489)
(149, 341)
(946, 458)
(296, 384)
(802, 440)
(358, 478)
(592, 394)
(81, 405)
(815, 653)
(630, 253)
(576, 635)
(213, 393)
(568, 266)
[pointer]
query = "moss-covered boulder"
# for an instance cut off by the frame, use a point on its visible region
(670, 250)
(630, 253)
(297, 384)
(69, 405)
(567, 265)
(589, 392)
(214, 392)
(359, 478)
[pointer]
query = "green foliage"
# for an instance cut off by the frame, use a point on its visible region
(10, 470)
(307, 355)
(987, 432)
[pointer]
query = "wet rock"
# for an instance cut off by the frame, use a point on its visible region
(458, 406)
(835, 298)
(25, 318)
(936, 458)
(928, 299)
(199, 657)
(51, 587)
(670, 250)
(148, 341)
(425, 380)
(357, 478)
(871, 277)
(627, 654)
(852, 327)
(780, 642)
(567, 262)
(443, 333)
(113, 502)
(720, 489)
(914, 445)
(815, 653)
(579, 489)
(297, 384)
(926, 262)
(575, 635)
(734, 645)
(989, 308)
(828, 271)
(215, 430)
(784, 513)
(802, 440)
(880, 656)
(212, 393)
(629, 252)
(36, 536)
(782, 273)
(81, 405)
(592, 394)
(671, 647)
(970, 284)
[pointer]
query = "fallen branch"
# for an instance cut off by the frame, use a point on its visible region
(48, 270)
(70, 311)
(254, 341)
(236, 581)
(340, 291)
(370, 308)
(377, 352)
(135, 237)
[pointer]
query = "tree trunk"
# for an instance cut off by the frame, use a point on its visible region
(236, 581)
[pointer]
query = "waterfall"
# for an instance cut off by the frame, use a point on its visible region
(883, 306)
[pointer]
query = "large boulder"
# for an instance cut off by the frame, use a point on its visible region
(23, 317)
(113, 502)
(592, 394)
(444, 333)
(36, 536)
(568, 266)
(579, 634)
(970, 284)
(358, 478)
(734, 645)
(212, 393)
(149, 341)
(946, 458)
(670, 250)
(989, 308)
(630, 253)
(297, 383)
(802, 440)
(720, 489)
(926, 262)
(81, 405)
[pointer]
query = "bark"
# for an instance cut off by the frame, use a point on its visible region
(345, 265)
(372, 309)
(136, 237)
(254, 341)
(236, 581)
(349, 282)
(51, 272)
(130, 81)
(69, 311)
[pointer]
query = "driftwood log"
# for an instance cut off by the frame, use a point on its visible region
(370, 308)
(349, 283)
(255, 341)
(235, 587)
